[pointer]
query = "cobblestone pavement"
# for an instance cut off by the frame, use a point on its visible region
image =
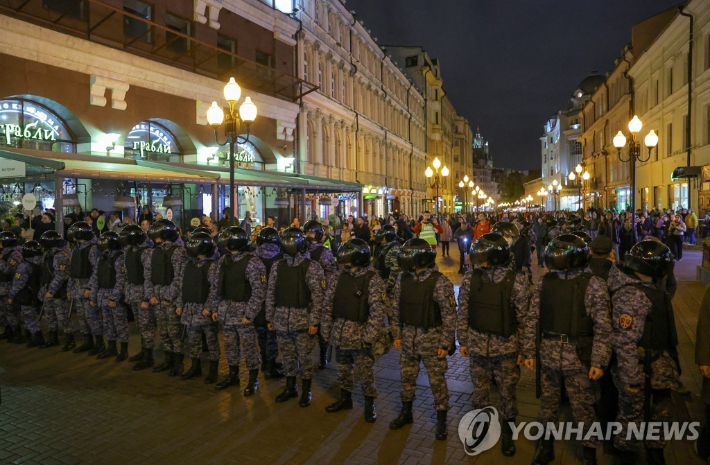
(66, 408)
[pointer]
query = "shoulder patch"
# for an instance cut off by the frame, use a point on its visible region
(452, 300)
(625, 320)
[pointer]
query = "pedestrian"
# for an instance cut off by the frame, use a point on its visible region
(423, 324)
(84, 258)
(25, 290)
(10, 258)
(494, 329)
(239, 295)
(294, 299)
(571, 310)
(353, 317)
(55, 274)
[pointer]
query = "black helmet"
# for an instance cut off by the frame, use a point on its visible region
(416, 253)
(566, 252)
(51, 240)
(267, 236)
(131, 234)
(31, 249)
(8, 239)
(355, 252)
(200, 244)
(389, 233)
(293, 241)
(233, 239)
(649, 257)
(314, 227)
(584, 236)
(109, 241)
(165, 230)
(506, 229)
(80, 231)
(200, 229)
(491, 248)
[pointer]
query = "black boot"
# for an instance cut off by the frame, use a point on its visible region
(590, 456)
(323, 360)
(178, 366)
(232, 379)
(86, 346)
(146, 362)
(545, 452)
(370, 413)
(345, 402)
(441, 431)
(507, 445)
(110, 351)
(655, 457)
(195, 369)
(272, 370)
(98, 346)
(253, 383)
(37, 340)
(290, 390)
(70, 343)
(306, 396)
(52, 340)
(404, 417)
(212, 374)
(123, 355)
(138, 357)
(167, 364)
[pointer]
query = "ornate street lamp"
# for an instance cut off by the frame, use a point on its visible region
(651, 141)
(429, 173)
(232, 129)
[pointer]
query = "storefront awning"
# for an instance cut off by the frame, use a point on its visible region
(686, 172)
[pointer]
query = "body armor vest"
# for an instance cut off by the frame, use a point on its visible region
(195, 282)
(233, 282)
(161, 266)
(489, 307)
(107, 271)
(48, 275)
(28, 294)
(291, 287)
(134, 266)
(600, 267)
(417, 306)
(659, 332)
(351, 297)
(80, 265)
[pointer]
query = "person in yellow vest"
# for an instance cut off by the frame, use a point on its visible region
(428, 228)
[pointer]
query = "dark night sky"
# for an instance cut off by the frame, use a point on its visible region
(510, 65)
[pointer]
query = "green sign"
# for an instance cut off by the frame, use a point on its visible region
(29, 131)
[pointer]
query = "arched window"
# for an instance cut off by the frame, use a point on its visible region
(26, 124)
(149, 140)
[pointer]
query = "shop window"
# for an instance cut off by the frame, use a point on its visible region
(25, 124)
(133, 27)
(225, 60)
(175, 42)
(151, 141)
(74, 9)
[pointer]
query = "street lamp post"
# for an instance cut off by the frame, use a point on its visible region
(232, 129)
(429, 173)
(651, 141)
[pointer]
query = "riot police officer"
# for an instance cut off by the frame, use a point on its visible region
(84, 258)
(353, 317)
(423, 324)
(572, 308)
(25, 291)
(494, 328)
(55, 274)
(10, 258)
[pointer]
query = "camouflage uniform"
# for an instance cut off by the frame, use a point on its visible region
(20, 281)
(192, 317)
(351, 339)
(88, 316)
(267, 339)
(56, 308)
(560, 363)
(9, 260)
(115, 318)
(135, 296)
(494, 357)
(230, 313)
(168, 321)
(423, 344)
(291, 324)
(630, 308)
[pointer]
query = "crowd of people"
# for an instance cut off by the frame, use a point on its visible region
(362, 287)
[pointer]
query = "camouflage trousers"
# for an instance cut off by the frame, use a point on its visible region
(560, 365)
(268, 345)
(505, 372)
(365, 362)
(436, 370)
(169, 327)
(194, 334)
(246, 337)
(297, 349)
(57, 313)
(31, 318)
(145, 320)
